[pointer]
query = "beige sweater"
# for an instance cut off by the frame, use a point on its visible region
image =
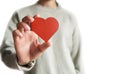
(63, 57)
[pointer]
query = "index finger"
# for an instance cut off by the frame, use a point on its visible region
(28, 19)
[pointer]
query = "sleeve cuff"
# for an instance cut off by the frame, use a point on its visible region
(26, 67)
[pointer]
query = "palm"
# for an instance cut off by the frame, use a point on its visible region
(26, 42)
(27, 46)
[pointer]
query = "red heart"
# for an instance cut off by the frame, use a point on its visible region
(45, 28)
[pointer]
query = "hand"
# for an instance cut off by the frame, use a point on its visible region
(26, 43)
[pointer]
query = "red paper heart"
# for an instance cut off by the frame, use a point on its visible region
(45, 28)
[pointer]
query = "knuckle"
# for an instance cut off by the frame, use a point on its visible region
(14, 31)
(25, 18)
(21, 25)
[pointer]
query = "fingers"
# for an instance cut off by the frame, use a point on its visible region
(37, 15)
(17, 33)
(25, 24)
(28, 20)
(22, 26)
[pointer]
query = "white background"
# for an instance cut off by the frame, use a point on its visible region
(99, 22)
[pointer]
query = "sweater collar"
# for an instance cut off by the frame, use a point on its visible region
(47, 8)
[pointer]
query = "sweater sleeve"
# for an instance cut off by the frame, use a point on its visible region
(7, 48)
(76, 46)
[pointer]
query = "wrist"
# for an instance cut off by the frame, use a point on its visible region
(21, 63)
(25, 67)
(29, 64)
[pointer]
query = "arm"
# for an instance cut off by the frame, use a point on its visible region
(7, 49)
(76, 50)
(23, 43)
(76, 47)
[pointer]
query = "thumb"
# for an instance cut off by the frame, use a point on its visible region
(44, 46)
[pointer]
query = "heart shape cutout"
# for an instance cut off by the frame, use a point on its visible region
(45, 28)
